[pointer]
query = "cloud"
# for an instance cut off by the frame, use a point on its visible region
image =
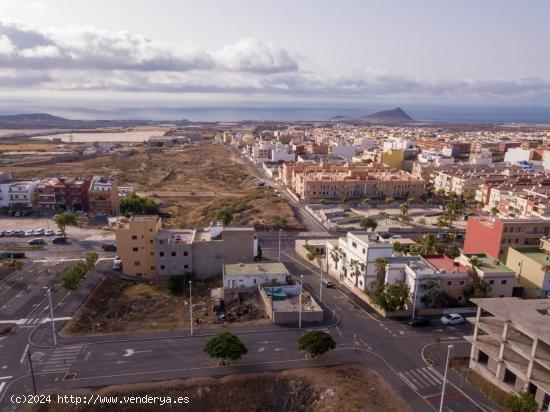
(251, 55)
(87, 59)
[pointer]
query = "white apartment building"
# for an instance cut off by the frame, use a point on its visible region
(16, 192)
(357, 263)
(398, 143)
(517, 154)
(343, 150)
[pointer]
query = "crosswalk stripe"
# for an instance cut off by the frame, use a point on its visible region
(428, 376)
(407, 381)
(2, 386)
(418, 381)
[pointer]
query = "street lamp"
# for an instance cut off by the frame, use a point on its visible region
(49, 292)
(449, 349)
(300, 301)
(414, 297)
(280, 231)
(190, 309)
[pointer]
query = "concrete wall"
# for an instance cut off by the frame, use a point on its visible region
(179, 264)
(238, 246)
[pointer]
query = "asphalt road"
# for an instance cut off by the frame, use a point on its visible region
(390, 347)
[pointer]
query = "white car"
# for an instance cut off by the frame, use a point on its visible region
(29, 233)
(39, 232)
(452, 319)
(117, 259)
(50, 232)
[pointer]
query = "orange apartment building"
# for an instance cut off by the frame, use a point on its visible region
(103, 196)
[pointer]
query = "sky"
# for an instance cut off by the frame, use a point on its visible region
(84, 57)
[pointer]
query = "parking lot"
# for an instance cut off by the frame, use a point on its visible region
(26, 224)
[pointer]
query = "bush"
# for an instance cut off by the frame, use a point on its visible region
(225, 346)
(176, 284)
(316, 342)
(136, 205)
(390, 297)
(524, 402)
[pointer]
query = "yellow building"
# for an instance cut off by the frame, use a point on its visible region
(532, 265)
(135, 239)
(393, 158)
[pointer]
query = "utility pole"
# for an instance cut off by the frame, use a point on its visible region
(414, 297)
(49, 291)
(32, 370)
(190, 309)
(449, 349)
(280, 231)
(300, 301)
(321, 284)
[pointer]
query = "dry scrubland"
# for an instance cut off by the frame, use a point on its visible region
(191, 183)
(300, 390)
(118, 306)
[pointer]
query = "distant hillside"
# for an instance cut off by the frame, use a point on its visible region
(47, 121)
(396, 115)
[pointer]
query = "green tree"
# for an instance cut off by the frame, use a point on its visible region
(494, 211)
(225, 347)
(316, 343)
(428, 244)
(357, 268)
(398, 247)
(336, 254)
(137, 205)
(176, 284)
(64, 219)
(90, 258)
(390, 297)
(224, 216)
(74, 275)
(404, 207)
(523, 402)
(369, 223)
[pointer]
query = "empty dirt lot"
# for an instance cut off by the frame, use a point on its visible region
(192, 183)
(322, 389)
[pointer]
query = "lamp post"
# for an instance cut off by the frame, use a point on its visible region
(414, 297)
(449, 349)
(321, 284)
(190, 309)
(280, 231)
(300, 301)
(49, 292)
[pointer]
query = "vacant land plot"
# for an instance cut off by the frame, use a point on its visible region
(119, 306)
(343, 388)
(192, 184)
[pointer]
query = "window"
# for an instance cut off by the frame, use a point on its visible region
(449, 283)
(161, 241)
(185, 253)
(173, 254)
(162, 267)
(491, 282)
(135, 249)
(354, 245)
(503, 282)
(186, 266)
(482, 358)
(509, 377)
(461, 283)
(151, 241)
(152, 268)
(136, 263)
(161, 254)
(134, 237)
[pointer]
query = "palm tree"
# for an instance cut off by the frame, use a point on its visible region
(381, 269)
(397, 247)
(494, 211)
(451, 236)
(369, 223)
(357, 268)
(427, 243)
(336, 255)
(404, 207)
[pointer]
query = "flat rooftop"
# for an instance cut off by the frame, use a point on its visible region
(534, 253)
(175, 236)
(531, 316)
(489, 264)
(255, 269)
(445, 264)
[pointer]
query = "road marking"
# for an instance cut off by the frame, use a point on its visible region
(261, 349)
(313, 234)
(130, 352)
(5, 377)
(24, 354)
(87, 356)
(279, 349)
(422, 378)
(2, 386)
(339, 331)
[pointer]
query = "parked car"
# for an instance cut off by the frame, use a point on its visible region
(19, 233)
(49, 232)
(419, 322)
(59, 240)
(109, 247)
(452, 319)
(39, 232)
(118, 259)
(36, 241)
(9, 233)
(2, 233)
(117, 266)
(327, 283)
(29, 233)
